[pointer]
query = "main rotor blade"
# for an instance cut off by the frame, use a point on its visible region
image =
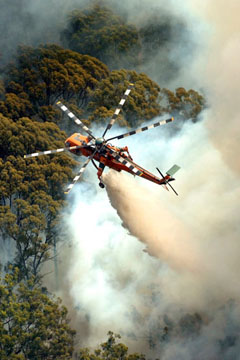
(118, 109)
(137, 131)
(160, 173)
(125, 162)
(47, 152)
(73, 117)
(77, 177)
(79, 174)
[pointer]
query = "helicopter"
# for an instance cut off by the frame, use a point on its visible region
(98, 149)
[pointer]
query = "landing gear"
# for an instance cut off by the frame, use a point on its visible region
(101, 185)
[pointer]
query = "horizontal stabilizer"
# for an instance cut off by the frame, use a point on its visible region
(173, 170)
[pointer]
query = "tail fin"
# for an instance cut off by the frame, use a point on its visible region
(173, 170)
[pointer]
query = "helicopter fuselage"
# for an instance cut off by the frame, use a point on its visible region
(78, 139)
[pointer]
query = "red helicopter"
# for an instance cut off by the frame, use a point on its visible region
(98, 149)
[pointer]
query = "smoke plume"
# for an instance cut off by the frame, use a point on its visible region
(190, 260)
(192, 241)
(221, 77)
(180, 296)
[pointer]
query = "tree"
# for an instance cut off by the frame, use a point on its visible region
(15, 106)
(98, 32)
(142, 104)
(110, 349)
(185, 104)
(32, 324)
(31, 190)
(146, 101)
(33, 229)
(44, 173)
(42, 75)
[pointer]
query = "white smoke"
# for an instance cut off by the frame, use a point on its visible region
(188, 232)
(192, 240)
(191, 263)
(32, 22)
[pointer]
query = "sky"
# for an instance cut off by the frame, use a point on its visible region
(137, 257)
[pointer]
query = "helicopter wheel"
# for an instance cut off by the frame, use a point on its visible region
(101, 185)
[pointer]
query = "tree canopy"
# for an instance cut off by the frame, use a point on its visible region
(186, 104)
(32, 324)
(42, 75)
(99, 32)
(146, 101)
(31, 191)
(142, 104)
(111, 349)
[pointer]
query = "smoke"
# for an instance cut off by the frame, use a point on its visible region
(188, 233)
(169, 241)
(192, 241)
(221, 78)
(32, 22)
(191, 262)
(35, 22)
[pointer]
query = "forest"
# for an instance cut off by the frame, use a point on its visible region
(98, 55)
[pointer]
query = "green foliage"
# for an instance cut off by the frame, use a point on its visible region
(45, 74)
(33, 228)
(24, 137)
(142, 103)
(183, 103)
(146, 101)
(99, 32)
(42, 75)
(32, 325)
(15, 106)
(31, 190)
(109, 350)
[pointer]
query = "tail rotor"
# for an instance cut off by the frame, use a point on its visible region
(170, 172)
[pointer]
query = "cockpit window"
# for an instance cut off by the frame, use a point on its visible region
(77, 137)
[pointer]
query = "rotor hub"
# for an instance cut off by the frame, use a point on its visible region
(99, 141)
